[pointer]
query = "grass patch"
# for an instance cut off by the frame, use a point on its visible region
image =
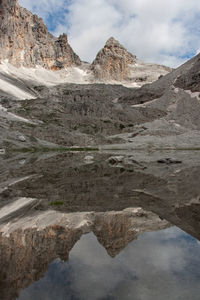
(56, 149)
(150, 149)
(56, 203)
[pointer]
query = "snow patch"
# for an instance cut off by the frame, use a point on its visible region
(13, 90)
(10, 208)
(12, 117)
(140, 74)
(144, 104)
(193, 94)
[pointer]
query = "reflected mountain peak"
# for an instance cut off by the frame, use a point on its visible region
(30, 244)
(49, 201)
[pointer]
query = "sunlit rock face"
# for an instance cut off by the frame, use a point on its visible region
(25, 40)
(112, 62)
(27, 251)
(115, 63)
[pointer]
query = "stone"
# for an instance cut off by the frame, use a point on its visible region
(2, 151)
(115, 159)
(89, 158)
(22, 138)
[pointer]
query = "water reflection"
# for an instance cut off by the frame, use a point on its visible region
(29, 245)
(159, 265)
(48, 202)
(68, 183)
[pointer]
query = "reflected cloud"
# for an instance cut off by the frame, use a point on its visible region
(159, 265)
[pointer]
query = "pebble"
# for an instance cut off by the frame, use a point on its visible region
(22, 138)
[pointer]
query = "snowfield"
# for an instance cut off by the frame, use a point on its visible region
(18, 82)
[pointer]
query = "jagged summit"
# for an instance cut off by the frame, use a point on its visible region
(115, 63)
(112, 62)
(26, 41)
(112, 41)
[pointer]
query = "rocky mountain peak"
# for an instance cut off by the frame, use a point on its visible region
(112, 41)
(25, 40)
(112, 62)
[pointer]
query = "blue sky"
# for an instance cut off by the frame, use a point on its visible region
(166, 32)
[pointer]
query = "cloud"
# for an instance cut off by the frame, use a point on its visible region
(156, 31)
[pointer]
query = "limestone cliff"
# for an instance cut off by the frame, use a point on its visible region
(115, 63)
(112, 62)
(25, 40)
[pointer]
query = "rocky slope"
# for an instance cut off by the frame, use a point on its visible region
(25, 40)
(177, 95)
(161, 115)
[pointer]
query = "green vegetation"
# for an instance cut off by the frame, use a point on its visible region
(56, 203)
(56, 149)
(152, 149)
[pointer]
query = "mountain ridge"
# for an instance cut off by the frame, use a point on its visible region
(26, 42)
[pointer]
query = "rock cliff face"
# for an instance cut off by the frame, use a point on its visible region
(112, 62)
(115, 63)
(25, 40)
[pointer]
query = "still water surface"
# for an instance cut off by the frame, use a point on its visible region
(158, 265)
(98, 230)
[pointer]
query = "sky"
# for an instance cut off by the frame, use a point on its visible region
(164, 32)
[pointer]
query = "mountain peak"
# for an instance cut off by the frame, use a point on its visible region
(26, 41)
(112, 62)
(112, 41)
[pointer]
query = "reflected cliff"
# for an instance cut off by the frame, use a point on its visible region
(159, 265)
(29, 245)
(48, 202)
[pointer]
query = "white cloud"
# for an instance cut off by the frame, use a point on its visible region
(156, 31)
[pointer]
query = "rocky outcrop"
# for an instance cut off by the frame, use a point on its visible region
(25, 40)
(112, 62)
(190, 80)
(115, 63)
